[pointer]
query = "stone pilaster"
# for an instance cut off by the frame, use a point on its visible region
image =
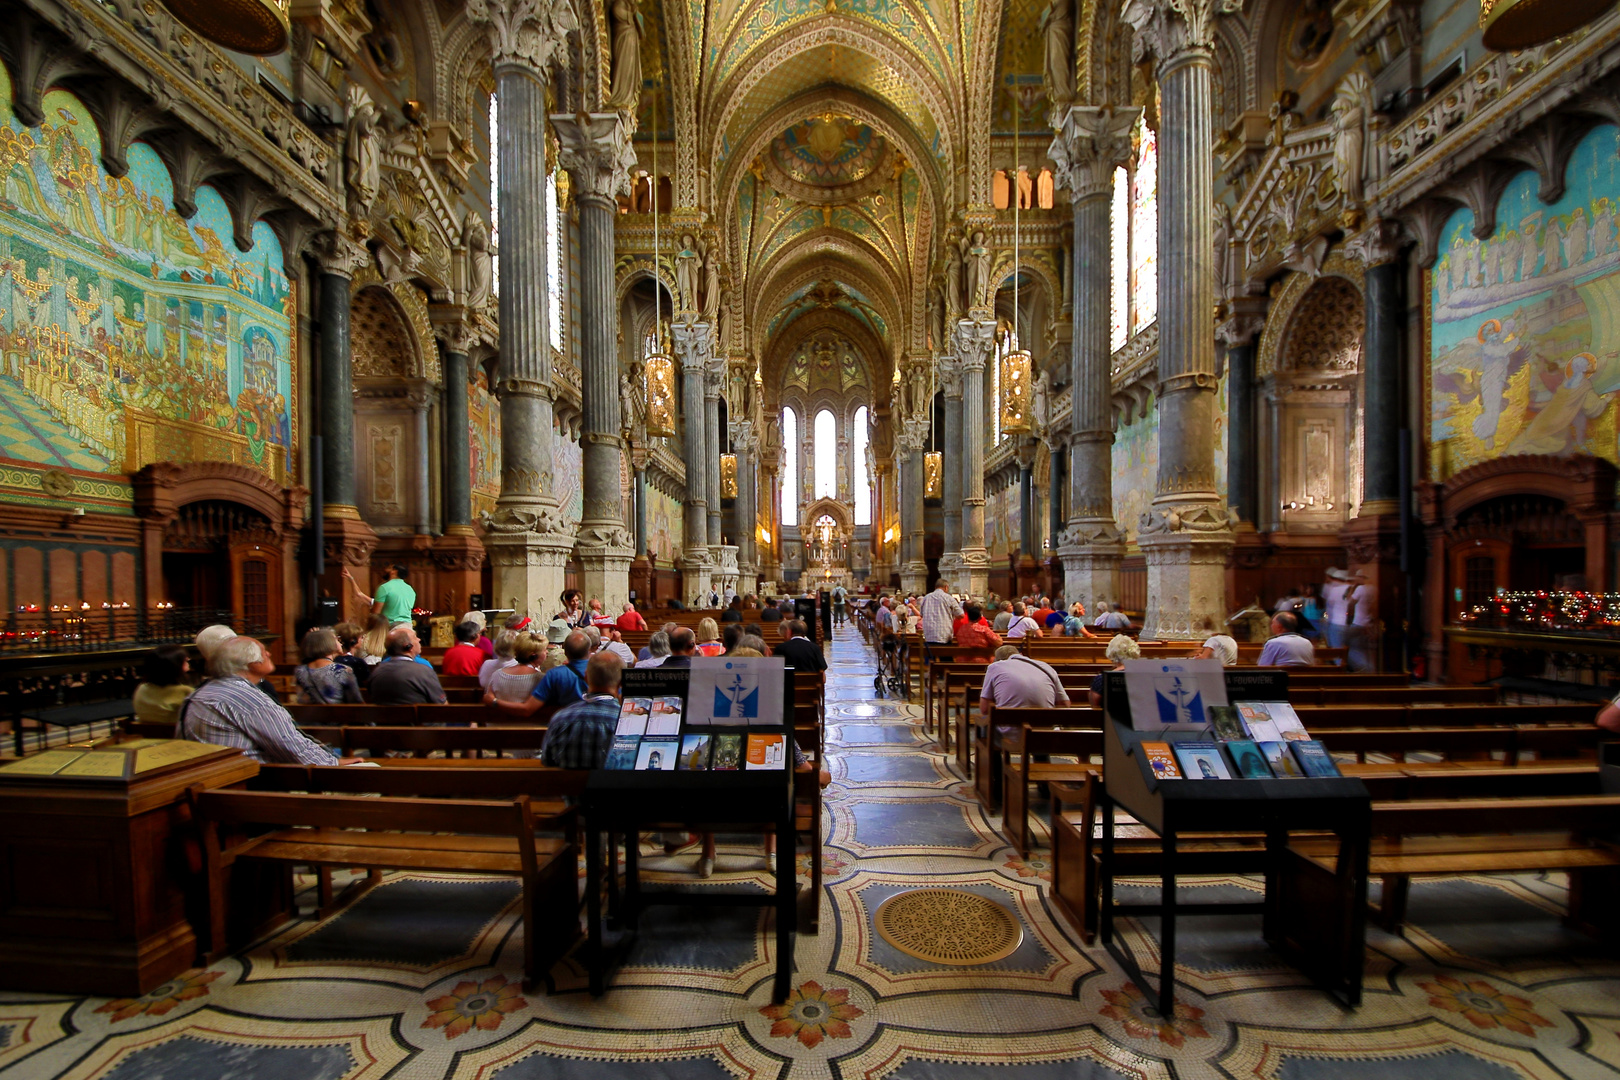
(910, 446)
(528, 537)
(1186, 535)
(953, 475)
(1090, 143)
(975, 347)
(692, 344)
(595, 149)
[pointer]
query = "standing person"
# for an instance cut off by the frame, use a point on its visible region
(939, 612)
(394, 599)
(163, 685)
(320, 679)
(1363, 613)
(464, 657)
(1311, 609)
(840, 599)
(400, 679)
(1336, 605)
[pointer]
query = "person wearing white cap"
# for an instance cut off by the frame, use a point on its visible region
(1363, 603)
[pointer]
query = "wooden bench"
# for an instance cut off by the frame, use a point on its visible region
(1449, 837)
(1022, 770)
(461, 836)
(423, 741)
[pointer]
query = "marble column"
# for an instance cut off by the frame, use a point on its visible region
(1054, 492)
(953, 473)
(595, 149)
(419, 399)
(692, 344)
(1186, 536)
(1090, 143)
(745, 443)
(528, 536)
(714, 445)
(1026, 510)
(348, 541)
(913, 567)
(975, 347)
(1238, 334)
(457, 551)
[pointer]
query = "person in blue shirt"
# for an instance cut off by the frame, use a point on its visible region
(559, 687)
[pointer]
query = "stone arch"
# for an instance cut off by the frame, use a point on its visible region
(385, 341)
(1294, 288)
(834, 509)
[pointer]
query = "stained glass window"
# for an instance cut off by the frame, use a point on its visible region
(863, 483)
(790, 468)
(555, 240)
(826, 450)
(1145, 229)
(1119, 262)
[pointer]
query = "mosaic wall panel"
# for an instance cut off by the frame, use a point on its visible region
(666, 528)
(568, 477)
(1136, 469)
(1524, 327)
(1002, 522)
(484, 453)
(131, 335)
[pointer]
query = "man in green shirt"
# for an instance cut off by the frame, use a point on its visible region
(394, 599)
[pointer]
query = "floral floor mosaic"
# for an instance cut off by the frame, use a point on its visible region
(420, 978)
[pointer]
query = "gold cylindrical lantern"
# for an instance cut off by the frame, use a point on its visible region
(660, 370)
(255, 27)
(1511, 25)
(728, 476)
(933, 475)
(1015, 392)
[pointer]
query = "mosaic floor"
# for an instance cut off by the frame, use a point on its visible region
(420, 978)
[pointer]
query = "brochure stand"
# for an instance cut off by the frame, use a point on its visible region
(627, 802)
(1321, 931)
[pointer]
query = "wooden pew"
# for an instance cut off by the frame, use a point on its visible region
(1021, 770)
(446, 835)
(423, 741)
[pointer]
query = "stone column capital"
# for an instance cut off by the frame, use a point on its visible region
(975, 341)
(454, 328)
(525, 34)
(693, 344)
(1091, 141)
(338, 255)
(1244, 319)
(1381, 242)
(950, 377)
(595, 149)
(1174, 30)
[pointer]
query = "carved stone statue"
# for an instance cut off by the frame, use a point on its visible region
(953, 277)
(977, 256)
(1349, 117)
(686, 269)
(1058, 23)
(711, 283)
(627, 27)
(1042, 410)
(362, 157)
(629, 406)
(480, 264)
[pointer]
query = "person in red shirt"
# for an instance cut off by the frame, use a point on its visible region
(973, 633)
(631, 619)
(464, 657)
(1040, 613)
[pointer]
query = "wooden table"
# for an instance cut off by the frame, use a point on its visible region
(95, 879)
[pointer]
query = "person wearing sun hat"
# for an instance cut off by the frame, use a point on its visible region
(1336, 605)
(556, 634)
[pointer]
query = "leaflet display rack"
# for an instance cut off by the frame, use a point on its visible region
(1318, 926)
(628, 802)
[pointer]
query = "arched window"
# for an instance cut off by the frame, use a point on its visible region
(863, 481)
(790, 468)
(555, 242)
(826, 449)
(1134, 258)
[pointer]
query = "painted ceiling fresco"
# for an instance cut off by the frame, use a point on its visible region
(828, 151)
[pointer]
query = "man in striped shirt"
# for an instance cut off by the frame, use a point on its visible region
(230, 710)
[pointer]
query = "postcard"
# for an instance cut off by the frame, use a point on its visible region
(633, 716)
(1201, 761)
(695, 752)
(728, 750)
(657, 753)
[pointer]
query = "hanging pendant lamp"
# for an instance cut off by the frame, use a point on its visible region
(1016, 363)
(1512, 25)
(658, 365)
(255, 27)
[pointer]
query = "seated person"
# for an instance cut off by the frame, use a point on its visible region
(632, 619)
(580, 735)
(1219, 647)
(1016, 681)
(163, 685)
(975, 637)
(464, 657)
(229, 710)
(399, 679)
(320, 679)
(559, 687)
(1287, 648)
(800, 652)
(1021, 625)
(1121, 647)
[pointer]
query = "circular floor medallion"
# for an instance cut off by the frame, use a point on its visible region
(948, 926)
